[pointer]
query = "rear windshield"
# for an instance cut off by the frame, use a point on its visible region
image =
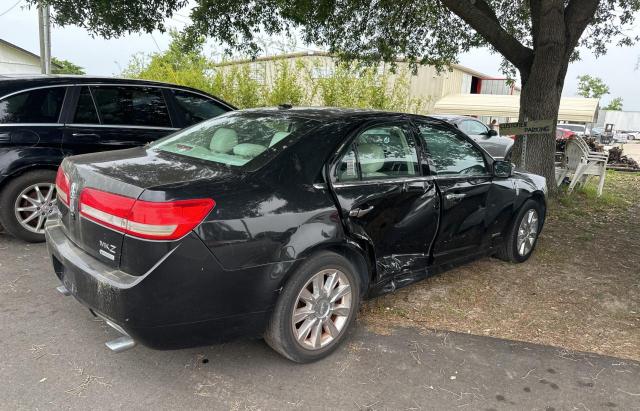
(235, 139)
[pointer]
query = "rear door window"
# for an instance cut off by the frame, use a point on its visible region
(131, 106)
(386, 152)
(34, 106)
(86, 109)
(194, 108)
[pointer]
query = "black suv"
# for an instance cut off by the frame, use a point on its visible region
(46, 118)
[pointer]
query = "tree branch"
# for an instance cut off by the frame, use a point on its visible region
(481, 17)
(577, 16)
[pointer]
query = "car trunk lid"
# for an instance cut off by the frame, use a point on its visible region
(103, 199)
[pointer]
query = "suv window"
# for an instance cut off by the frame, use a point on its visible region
(450, 153)
(131, 106)
(195, 108)
(473, 127)
(86, 109)
(382, 152)
(35, 106)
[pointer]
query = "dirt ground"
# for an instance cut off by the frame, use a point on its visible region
(580, 290)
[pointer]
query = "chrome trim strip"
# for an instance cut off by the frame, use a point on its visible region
(31, 125)
(24, 90)
(382, 181)
(169, 87)
(121, 126)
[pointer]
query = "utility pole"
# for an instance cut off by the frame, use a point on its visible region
(44, 29)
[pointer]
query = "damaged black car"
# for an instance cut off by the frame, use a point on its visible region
(276, 223)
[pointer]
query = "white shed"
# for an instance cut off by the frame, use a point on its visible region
(16, 60)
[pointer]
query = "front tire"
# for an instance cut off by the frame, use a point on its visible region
(26, 202)
(523, 234)
(317, 307)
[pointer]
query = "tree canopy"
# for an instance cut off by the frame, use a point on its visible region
(62, 66)
(615, 104)
(591, 87)
(537, 38)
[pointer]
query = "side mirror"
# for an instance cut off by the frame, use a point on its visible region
(502, 169)
(492, 133)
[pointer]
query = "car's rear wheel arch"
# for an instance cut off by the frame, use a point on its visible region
(357, 256)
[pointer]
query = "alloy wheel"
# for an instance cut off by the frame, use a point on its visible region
(322, 309)
(34, 204)
(527, 232)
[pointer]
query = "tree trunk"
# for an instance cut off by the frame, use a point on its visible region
(542, 83)
(539, 100)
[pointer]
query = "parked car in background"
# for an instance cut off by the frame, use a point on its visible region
(596, 132)
(46, 118)
(563, 133)
(499, 147)
(579, 129)
(625, 135)
(278, 222)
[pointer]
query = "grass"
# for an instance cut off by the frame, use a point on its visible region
(580, 290)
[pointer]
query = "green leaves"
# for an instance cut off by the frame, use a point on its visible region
(65, 67)
(304, 81)
(615, 104)
(591, 87)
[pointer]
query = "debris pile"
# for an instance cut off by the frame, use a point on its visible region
(619, 161)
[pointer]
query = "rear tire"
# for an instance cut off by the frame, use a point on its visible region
(9, 204)
(327, 318)
(521, 240)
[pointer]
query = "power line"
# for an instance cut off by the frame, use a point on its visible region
(10, 8)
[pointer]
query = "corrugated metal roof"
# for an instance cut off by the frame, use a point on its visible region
(577, 109)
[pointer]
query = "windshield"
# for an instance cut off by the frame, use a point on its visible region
(235, 139)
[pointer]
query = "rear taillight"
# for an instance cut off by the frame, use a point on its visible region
(145, 219)
(62, 186)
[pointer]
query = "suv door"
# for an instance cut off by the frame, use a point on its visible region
(465, 180)
(111, 117)
(32, 118)
(385, 200)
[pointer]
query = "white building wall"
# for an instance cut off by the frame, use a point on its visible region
(621, 120)
(14, 61)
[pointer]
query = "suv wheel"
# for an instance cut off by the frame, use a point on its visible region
(26, 202)
(316, 309)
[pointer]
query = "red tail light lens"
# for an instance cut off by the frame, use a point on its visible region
(145, 219)
(62, 186)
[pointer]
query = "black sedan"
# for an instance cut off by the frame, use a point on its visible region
(278, 222)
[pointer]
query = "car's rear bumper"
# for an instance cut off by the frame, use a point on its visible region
(186, 298)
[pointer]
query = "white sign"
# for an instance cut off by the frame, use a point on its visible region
(527, 128)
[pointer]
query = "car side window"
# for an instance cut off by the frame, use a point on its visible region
(381, 152)
(86, 109)
(34, 106)
(450, 153)
(473, 127)
(131, 106)
(195, 108)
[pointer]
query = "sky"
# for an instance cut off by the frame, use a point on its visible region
(109, 57)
